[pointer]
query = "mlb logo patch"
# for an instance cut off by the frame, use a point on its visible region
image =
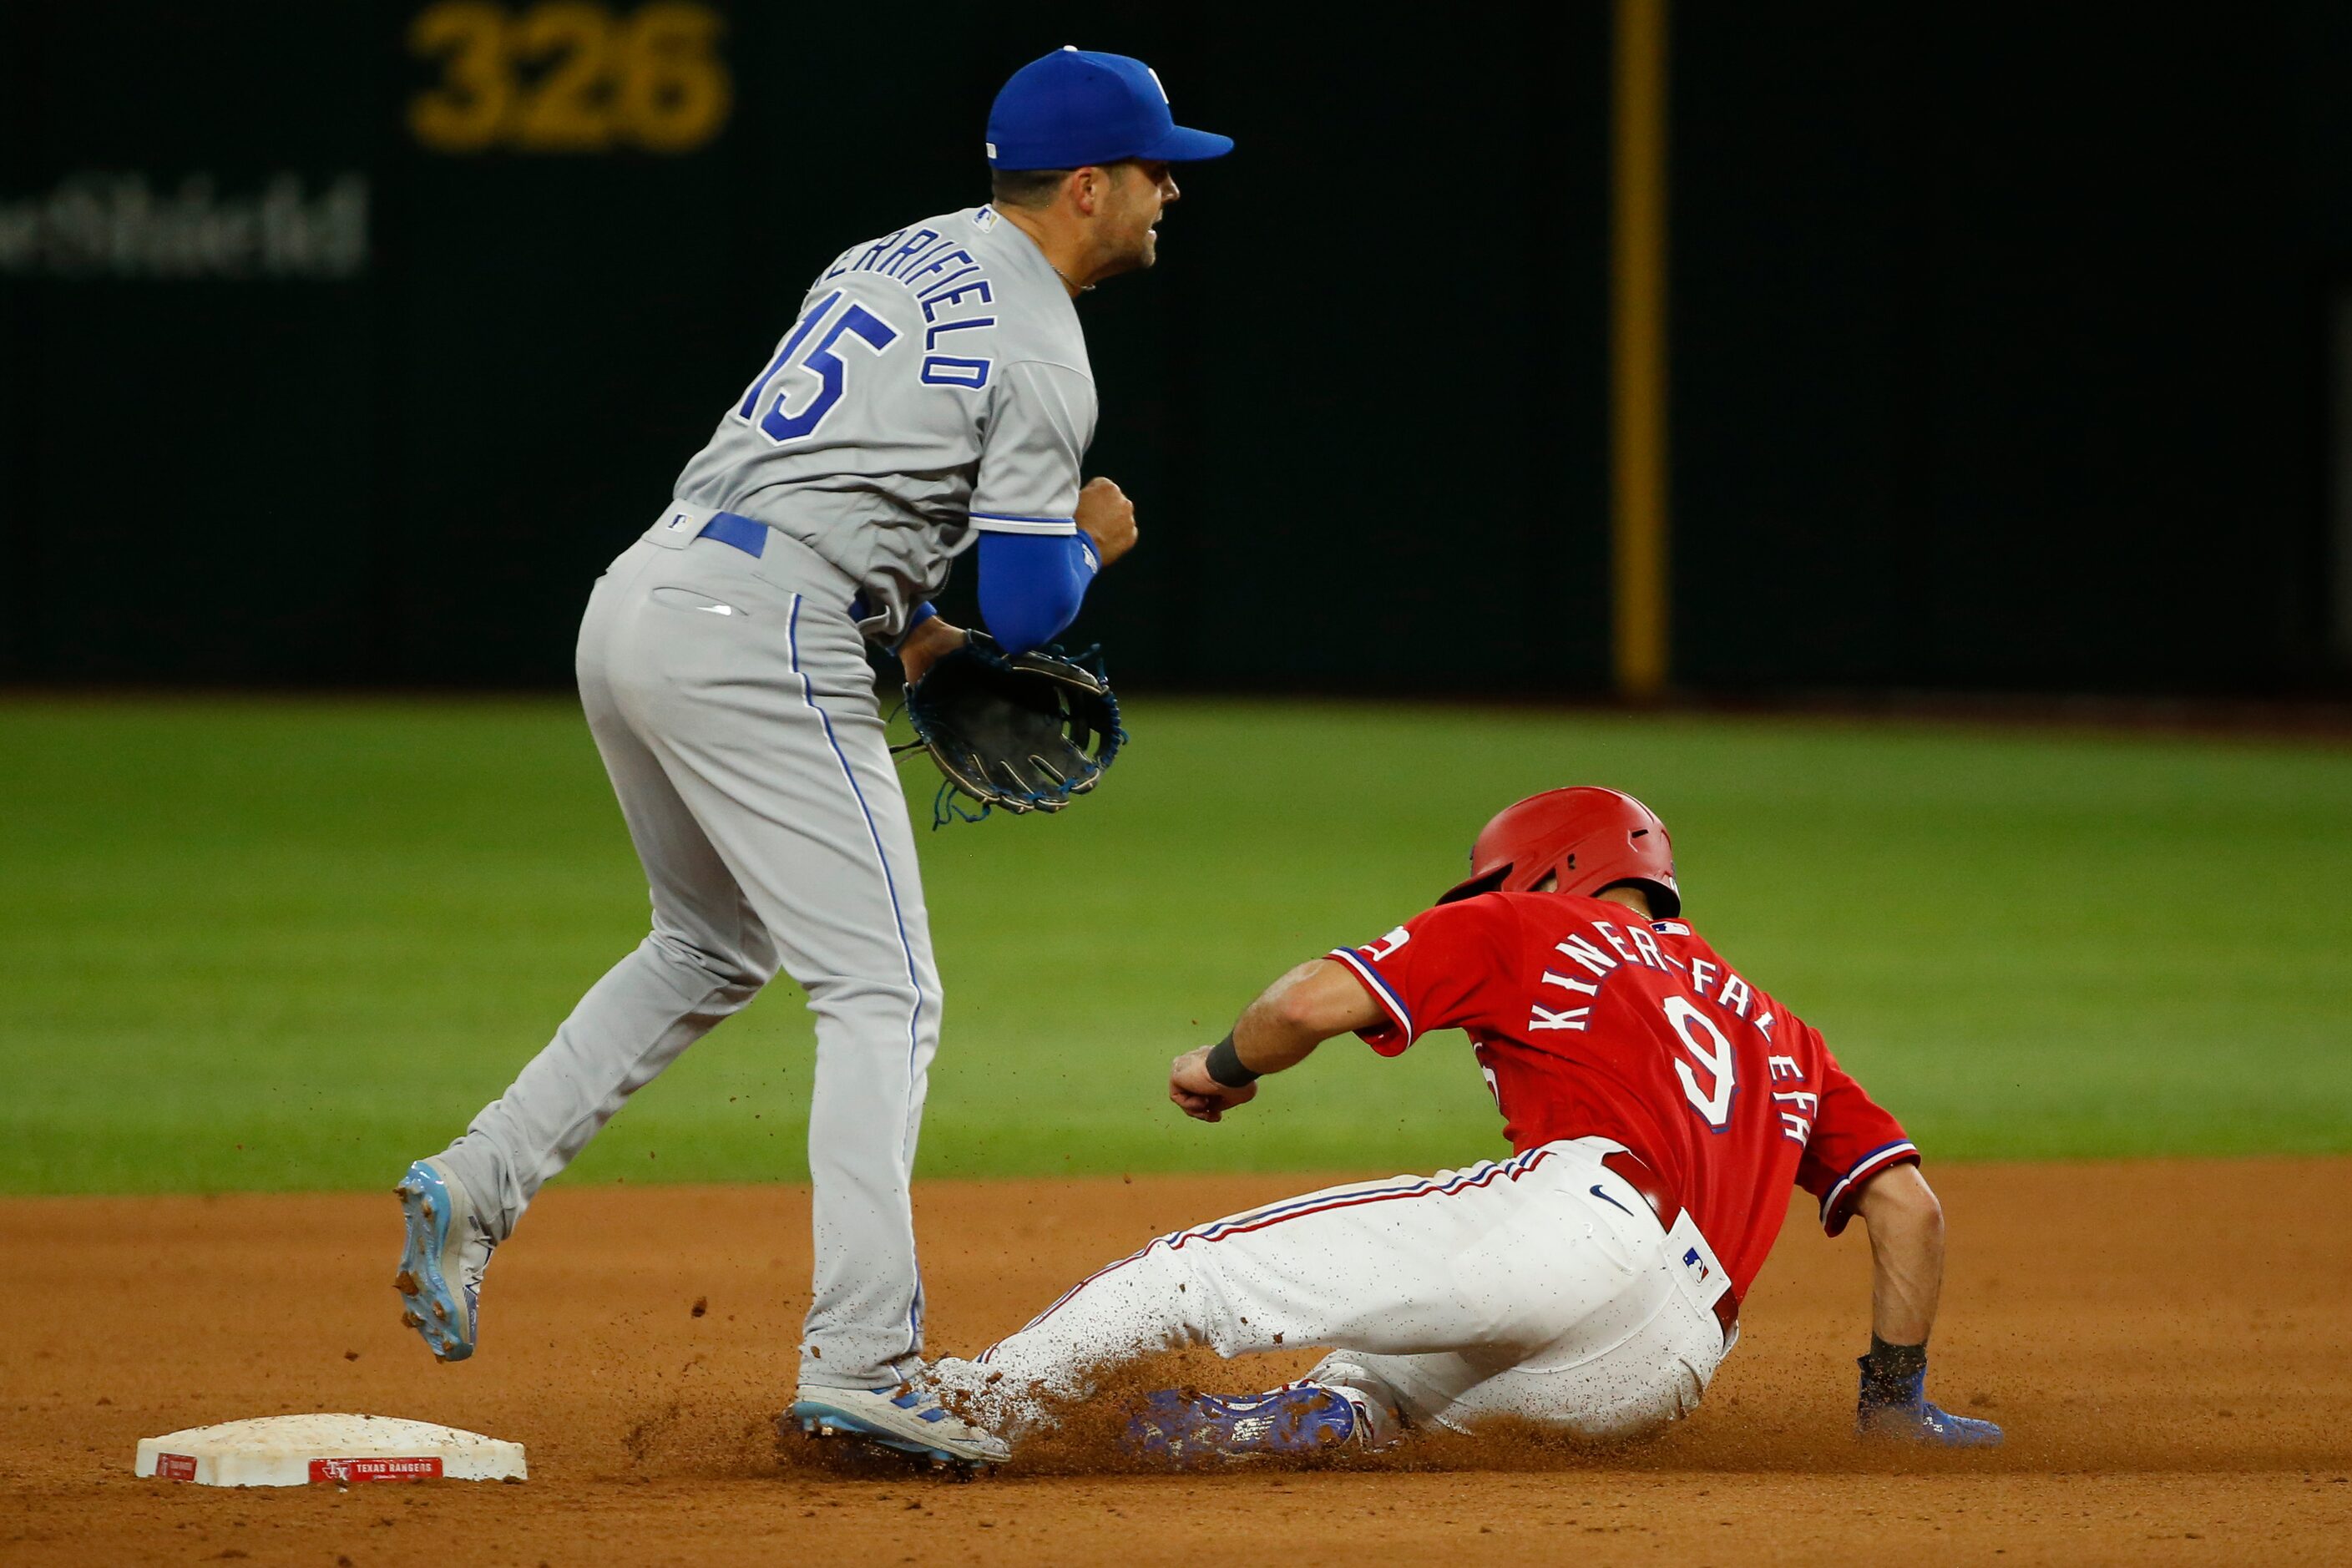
(678, 519)
(1696, 1265)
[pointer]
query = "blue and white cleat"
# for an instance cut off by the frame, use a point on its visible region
(1912, 1418)
(905, 1417)
(1188, 1429)
(442, 1261)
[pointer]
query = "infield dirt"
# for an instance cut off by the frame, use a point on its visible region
(2170, 1344)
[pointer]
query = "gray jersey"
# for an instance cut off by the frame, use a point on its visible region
(934, 386)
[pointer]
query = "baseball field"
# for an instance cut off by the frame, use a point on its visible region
(259, 954)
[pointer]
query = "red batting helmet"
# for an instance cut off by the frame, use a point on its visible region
(1591, 838)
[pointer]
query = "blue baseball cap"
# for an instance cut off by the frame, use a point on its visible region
(1075, 107)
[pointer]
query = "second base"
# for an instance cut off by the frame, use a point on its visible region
(338, 1450)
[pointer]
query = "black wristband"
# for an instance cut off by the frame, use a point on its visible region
(1224, 1065)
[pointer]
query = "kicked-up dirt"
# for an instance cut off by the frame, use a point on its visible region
(2169, 1343)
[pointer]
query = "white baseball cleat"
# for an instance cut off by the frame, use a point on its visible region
(906, 1417)
(441, 1260)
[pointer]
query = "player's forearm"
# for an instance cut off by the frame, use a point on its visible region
(1284, 1025)
(1298, 1012)
(1031, 586)
(1907, 1254)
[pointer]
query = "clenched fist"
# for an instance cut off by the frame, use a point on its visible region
(1106, 516)
(1198, 1095)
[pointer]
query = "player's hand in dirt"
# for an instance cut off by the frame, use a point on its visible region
(1105, 516)
(1198, 1095)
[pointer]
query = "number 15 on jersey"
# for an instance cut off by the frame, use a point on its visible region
(766, 403)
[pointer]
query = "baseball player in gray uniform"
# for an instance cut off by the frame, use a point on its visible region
(932, 395)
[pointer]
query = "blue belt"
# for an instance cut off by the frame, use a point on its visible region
(745, 534)
(749, 535)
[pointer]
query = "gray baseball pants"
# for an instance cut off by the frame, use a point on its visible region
(730, 697)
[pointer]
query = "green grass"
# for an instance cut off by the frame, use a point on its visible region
(290, 945)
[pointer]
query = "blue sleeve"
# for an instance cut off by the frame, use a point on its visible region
(1031, 586)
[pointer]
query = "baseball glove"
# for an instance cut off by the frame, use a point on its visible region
(1026, 732)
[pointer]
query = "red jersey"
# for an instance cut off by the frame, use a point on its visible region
(1589, 1021)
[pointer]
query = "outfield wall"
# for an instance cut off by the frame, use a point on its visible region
(342, 345)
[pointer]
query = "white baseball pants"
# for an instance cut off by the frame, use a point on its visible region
(1541, 1288)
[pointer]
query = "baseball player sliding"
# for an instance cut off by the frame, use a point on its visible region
(933, 393)
(1660, 1105)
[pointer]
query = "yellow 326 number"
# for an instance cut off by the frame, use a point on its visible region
(570, 76)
